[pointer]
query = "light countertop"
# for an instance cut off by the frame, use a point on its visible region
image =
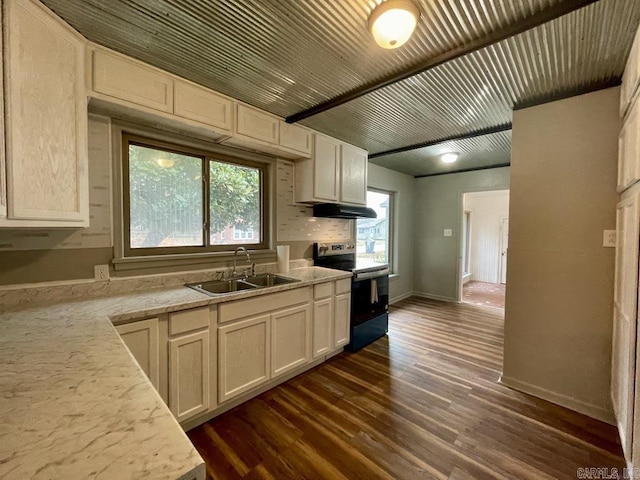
(73, 402)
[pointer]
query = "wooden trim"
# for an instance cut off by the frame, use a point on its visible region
(465, 170)
(462, 136)
(558, 10)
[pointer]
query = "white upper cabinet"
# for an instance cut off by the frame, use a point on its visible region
(127, 79)
(46, 119)
(631, 77)
(263, 132)
(296, 138)
(335, 173)
(203, 105)
(353, 175)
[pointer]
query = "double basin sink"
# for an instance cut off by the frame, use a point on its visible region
(221, 287)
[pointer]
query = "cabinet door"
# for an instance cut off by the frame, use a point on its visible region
(189, 378)
(342, 319)
(629, 149)
(244, 356)
(258, 125)
(290, 339)
(295, 137)
(126, 79)
(353, 175)
(204, 106)
(141, 338)
(46, 117)
(326, 152)
(625, 315)
(3, 179)
(322, 326)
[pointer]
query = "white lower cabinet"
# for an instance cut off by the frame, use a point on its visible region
(189, 378)
(258, 339)
(342, 315)
(290, 339)
(142, 340)
(322, 323)
(191, 363)
(244, 356)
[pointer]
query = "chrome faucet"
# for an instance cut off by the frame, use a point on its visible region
(239, 249)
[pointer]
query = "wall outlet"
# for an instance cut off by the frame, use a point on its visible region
(448, 232)
(101, 272)
(609, 238)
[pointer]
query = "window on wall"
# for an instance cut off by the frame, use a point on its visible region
(374, 235)
(179, 200)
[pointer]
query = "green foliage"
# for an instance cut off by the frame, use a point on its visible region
(166, 197)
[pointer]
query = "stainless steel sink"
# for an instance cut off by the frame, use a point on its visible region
(221, 287)
(269, 280)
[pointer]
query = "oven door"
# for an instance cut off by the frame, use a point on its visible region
(369, 299)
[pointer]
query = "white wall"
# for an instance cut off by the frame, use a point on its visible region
(401, 284)
(438, 206)
(487, 211)
(559, 304)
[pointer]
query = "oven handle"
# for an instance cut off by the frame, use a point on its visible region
(373, 274)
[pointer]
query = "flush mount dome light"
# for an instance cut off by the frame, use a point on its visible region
(392, 22)
(449, 157)
(165, 162)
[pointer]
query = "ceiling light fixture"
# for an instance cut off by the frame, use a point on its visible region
(165, 162)
(392, 22)
(449, 157)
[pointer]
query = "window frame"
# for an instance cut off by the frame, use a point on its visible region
(391, 211)
(207, 155)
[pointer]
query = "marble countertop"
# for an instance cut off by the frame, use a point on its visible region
(74, 403)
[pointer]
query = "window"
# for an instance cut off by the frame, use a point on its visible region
(181, 200)
(374, 234)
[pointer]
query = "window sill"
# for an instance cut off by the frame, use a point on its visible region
(393, 276)
(187, 260)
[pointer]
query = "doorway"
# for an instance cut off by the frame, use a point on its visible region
(484, 246)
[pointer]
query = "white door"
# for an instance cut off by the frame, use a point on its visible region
(624, 318)
(504, 244)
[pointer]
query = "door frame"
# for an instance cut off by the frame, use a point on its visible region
(461, 210)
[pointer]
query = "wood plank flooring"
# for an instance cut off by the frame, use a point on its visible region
(422, 403)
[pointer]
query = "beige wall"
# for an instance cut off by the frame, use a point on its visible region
(438, 206)
(401, 284)
(559, 277)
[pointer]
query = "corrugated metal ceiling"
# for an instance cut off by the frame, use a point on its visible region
(285, 56)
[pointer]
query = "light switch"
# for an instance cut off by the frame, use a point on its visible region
(448, 232)
(609, 238)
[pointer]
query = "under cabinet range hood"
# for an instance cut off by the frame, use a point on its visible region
(334, 210)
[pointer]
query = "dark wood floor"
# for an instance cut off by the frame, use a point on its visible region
(422, 403)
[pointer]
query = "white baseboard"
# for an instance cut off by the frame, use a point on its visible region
(571, 403)
(400, 297)
(435, 297)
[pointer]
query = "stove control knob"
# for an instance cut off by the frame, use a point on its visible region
(350, 245)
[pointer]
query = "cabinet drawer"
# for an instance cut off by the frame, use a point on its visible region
(229, 311)
(322, 290)
(202, 105)
(295, 137)
(187, 320)
(343, 286)
(128, 80)
(256, 124)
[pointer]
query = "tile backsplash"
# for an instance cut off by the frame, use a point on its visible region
(296, 222)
